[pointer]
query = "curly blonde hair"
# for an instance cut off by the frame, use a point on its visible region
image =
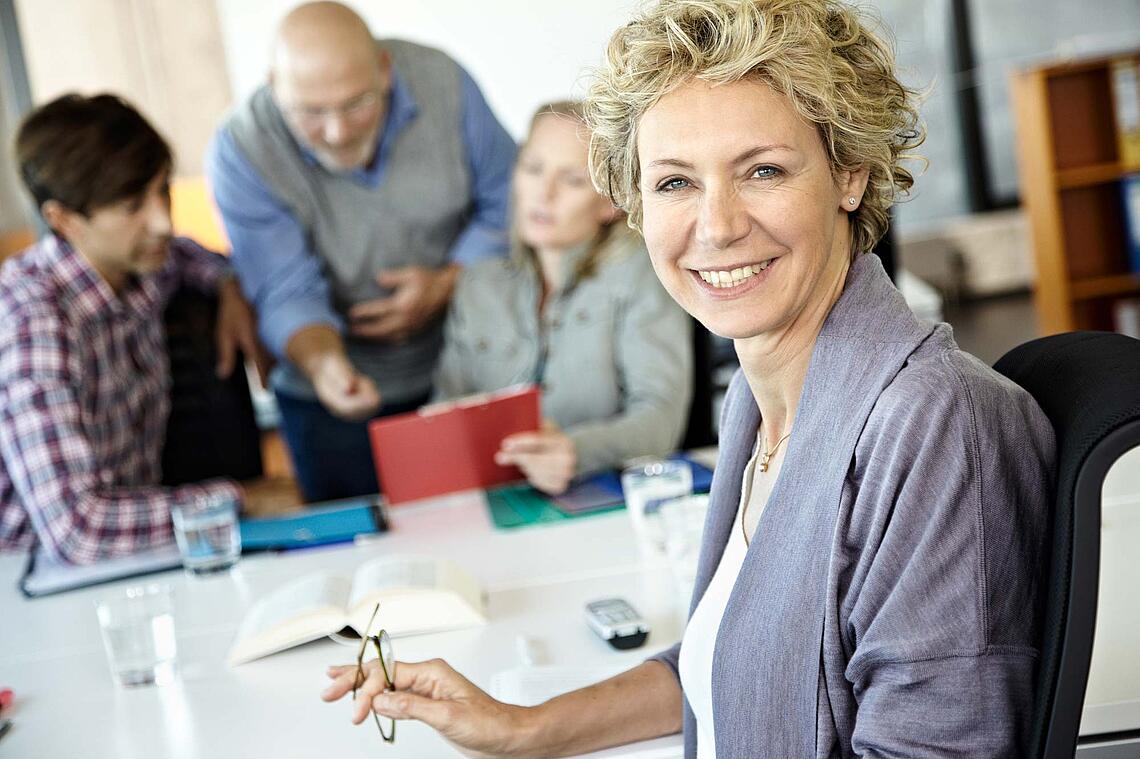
(820, 54)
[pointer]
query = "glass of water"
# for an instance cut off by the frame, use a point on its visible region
(684, 520)
(138, 633)
(646, 485)
(207, 533)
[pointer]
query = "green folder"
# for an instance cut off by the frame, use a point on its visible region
(520, 505)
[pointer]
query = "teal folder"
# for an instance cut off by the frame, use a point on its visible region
(337, 522)
(519, 504)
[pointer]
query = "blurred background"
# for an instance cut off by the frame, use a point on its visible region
(1019, 225)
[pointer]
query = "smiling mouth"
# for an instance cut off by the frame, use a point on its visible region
(725, 278)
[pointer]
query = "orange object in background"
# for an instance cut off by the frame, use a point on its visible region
(448, 447)
(194, 214)
(15, 241)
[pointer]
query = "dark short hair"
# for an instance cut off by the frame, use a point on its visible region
(89, 152)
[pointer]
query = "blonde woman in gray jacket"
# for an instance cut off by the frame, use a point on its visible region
(576, 309)
(870, 580)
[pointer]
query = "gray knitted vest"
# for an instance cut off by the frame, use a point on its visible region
(413, 217)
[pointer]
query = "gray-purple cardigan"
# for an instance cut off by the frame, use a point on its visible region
(887, 605)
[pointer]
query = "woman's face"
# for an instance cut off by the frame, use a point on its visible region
(556, 206)
(745, 223)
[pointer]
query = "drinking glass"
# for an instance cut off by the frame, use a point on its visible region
(138, 635)
(207, 533)
(684, 520)
(646, 485)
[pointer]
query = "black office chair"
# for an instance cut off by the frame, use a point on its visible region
(699, 428)
(1088, 384)
(212, 430)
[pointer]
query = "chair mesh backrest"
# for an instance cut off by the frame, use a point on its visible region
(1088, 384)
(212, 430)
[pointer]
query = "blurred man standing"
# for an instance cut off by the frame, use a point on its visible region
(354, 186)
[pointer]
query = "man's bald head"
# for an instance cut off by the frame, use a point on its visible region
(327, 74)
(322, 34)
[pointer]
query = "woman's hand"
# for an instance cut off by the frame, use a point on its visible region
(435, 694)
(546, 458)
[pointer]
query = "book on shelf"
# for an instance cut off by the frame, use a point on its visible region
(1126, 317)
(1130, 192)
(1125, 76)
(417, 594)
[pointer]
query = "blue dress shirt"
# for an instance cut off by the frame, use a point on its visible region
(277, 268)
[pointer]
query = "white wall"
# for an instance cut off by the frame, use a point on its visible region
(162, 55)
(522, 53)
(15, 209)
(526, 52)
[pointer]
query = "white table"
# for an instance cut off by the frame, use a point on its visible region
(538, 581)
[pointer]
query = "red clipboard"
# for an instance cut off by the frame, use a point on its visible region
(448, 447)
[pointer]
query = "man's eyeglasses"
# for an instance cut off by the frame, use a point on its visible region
(383, 646)
(356, 109)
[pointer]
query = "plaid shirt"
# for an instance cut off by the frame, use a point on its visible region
(84, 384)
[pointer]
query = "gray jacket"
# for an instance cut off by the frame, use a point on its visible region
(613, 350)
(887, 604)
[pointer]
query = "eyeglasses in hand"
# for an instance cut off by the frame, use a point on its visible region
(383, 646)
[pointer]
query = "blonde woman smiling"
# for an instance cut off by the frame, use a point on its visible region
(576, 309)
(868, 580)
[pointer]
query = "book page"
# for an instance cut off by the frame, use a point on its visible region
(416, 594)
(299, 611)
(392, 573)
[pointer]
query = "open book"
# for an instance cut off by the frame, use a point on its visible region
(416, 595)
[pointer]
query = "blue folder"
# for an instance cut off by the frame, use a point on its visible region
(337, 522)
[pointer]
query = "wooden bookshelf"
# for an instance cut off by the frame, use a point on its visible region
(1071, 171)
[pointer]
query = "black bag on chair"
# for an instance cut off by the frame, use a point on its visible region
(212, 430)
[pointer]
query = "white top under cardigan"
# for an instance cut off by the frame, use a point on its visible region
(914, 475)
(695, 664)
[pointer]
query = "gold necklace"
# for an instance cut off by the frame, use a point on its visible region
(765, 456)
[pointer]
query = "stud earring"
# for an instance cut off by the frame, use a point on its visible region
(852, 201)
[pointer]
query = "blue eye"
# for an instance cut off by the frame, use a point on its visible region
(765, 172)
(671, 185)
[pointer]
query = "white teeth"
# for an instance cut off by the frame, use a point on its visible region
(733, 277)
